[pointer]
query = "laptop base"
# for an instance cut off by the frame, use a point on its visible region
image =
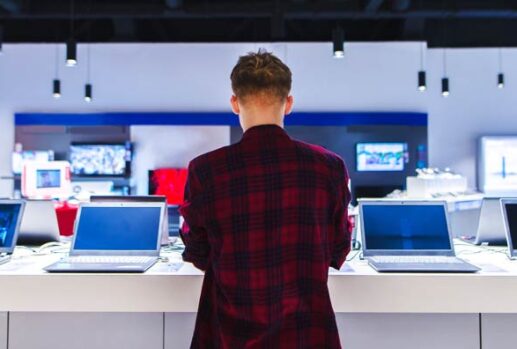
(474, 241)
(424, 267)
(64, 267)
(4, 259)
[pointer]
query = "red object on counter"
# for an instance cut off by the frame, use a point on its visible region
(66, 214)
(169, 182)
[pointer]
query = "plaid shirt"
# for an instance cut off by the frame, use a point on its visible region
(265, 218)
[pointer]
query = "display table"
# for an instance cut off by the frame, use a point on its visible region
(157, 309)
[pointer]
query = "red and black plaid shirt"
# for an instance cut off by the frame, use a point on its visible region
(265, 218)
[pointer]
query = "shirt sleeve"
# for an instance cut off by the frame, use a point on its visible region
(193, 232)
(341, 241)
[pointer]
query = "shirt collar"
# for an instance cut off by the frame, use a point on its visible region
(261, 131)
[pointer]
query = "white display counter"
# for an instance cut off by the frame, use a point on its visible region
(158, 307)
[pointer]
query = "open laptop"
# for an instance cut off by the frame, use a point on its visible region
(11, 212)
(509, 207)
(491, 228)
(39, 223)
(114, 237)
(141, 198)
(409, 236)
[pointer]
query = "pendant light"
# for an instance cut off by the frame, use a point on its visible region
(88, 87)
(56, 84)
(338, 46)
(71, 44)
(422, 84)
(445, 79)
(500, 75)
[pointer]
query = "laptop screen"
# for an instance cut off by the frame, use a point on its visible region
(405, 227)
(511, 217)
(118, 228)
(9, 215)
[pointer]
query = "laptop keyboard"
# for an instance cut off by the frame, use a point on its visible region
(109, 259)
(416, 259)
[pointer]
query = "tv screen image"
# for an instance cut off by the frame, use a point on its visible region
(381, 156)
(48, 179)
(8, 219)
(169, 182)
(498, 165)
(99, 159)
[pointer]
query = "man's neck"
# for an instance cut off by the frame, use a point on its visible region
(262, 122)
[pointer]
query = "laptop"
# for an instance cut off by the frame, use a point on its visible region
(491, 228)
(114, 237)
(39, 223)
(174, 222)
(409, 236)
(11, 212)
(509, 207)
(142, 198)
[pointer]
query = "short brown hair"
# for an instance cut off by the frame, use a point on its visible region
(261, 73)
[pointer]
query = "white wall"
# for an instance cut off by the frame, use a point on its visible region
(171, 146)
(195, 77)
(6, 144)
(475, 107)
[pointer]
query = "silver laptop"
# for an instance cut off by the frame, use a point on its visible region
(39, 223)
(114, 237)
(491, 229)
(140, 198)
(11, 212)
(409, 236)
(509, 207)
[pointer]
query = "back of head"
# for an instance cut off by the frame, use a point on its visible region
(261, 76)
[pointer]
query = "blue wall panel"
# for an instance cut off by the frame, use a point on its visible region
(221, 118)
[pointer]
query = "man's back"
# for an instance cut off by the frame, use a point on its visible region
(266, 217)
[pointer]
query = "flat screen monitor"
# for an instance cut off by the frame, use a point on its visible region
(510, 216)
(405, 227)
(100, 159)
(381, 156)
(124, 227)
(497, 166)
(169, 182)
(20, 158)
(139, 199)
(48, 178)
(10, 218)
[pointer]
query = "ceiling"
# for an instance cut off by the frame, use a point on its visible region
(444, 23)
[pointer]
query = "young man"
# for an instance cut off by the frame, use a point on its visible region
(265, 219)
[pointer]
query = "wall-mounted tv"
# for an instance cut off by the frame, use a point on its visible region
(497, 165)
(169, 182)
(381, 156)
(100, 159)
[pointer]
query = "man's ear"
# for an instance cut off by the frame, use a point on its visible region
(235, 105)
(289, 105)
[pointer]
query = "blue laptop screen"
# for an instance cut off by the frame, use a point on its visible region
(118, 228)
(405, 227)
(511, 215)
(9, 215)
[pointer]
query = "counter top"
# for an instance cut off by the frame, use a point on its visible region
(174, 286)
